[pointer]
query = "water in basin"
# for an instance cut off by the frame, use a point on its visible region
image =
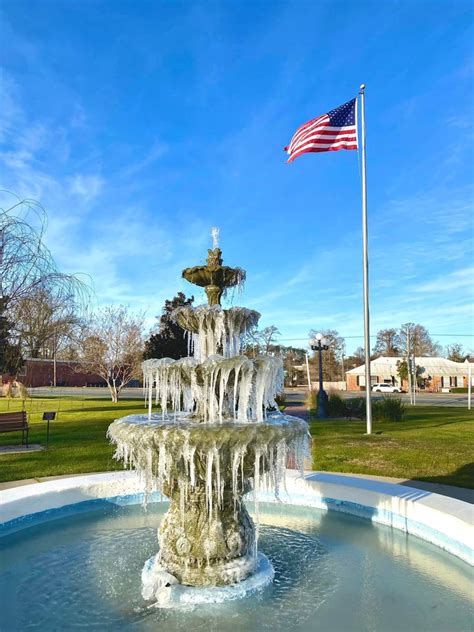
(332, 572)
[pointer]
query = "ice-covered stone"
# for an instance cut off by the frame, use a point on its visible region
(218, 435)
(214, 330)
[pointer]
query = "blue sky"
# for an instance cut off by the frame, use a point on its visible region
(140, 125)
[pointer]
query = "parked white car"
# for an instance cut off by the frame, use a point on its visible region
(386, 388)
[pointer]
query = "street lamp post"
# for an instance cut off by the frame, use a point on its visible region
(320, 344)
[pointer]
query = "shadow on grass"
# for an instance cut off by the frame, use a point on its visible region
(459, 484)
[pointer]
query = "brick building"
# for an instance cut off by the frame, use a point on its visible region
(437, 373)
(40, 372)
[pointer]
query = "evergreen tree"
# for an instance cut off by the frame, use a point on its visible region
(170, 340)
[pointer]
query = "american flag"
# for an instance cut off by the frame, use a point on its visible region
(330, 132)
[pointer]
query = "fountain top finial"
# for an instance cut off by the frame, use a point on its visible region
(214, 277)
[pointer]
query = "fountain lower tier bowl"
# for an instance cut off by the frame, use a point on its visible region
(180, 433)
(207, 537)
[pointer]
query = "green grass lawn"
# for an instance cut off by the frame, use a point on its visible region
(433, 443)
(77, 438)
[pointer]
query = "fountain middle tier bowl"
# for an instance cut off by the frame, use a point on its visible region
(161, 443)
(235, 320)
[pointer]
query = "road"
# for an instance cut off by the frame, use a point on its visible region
(294, 396)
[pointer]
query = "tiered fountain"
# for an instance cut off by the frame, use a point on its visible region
(219, 434)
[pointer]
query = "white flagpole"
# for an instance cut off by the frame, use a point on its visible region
(368, 381)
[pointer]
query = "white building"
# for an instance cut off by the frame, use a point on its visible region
(438, 373)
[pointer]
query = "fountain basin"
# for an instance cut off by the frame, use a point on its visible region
(440, 520)
(333, 571)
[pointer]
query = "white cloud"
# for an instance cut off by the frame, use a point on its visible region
(86, 186)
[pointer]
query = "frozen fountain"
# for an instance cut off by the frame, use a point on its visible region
(73, 548)
(218, 436)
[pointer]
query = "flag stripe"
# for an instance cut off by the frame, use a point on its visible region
(330, 132)
(314, 150)
(308, 127)
(323, 132)
(327, 145)
(326, 137)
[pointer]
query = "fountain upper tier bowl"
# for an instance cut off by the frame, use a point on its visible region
(214, 277)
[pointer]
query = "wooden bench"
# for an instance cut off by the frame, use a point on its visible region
(15, 422)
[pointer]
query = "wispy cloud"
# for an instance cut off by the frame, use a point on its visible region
(157, 150)
(459, 279)
(86, 186)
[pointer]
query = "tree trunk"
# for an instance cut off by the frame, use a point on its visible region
(113, 392)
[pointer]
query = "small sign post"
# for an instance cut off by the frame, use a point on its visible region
(48, 416)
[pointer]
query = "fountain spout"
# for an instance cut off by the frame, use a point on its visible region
(214, 277)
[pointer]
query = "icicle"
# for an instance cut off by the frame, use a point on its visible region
(209, 461)
(256, 491)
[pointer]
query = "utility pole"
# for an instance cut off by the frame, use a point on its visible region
(307, 371)
(409, 366)
(55, 342)
(415, 384)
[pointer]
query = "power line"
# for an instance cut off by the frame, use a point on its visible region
(374, 336)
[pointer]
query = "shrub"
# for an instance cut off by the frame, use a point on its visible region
(336, 405)
(355, 407)
(311, 400)
(388, 409)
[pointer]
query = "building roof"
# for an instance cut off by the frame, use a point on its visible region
(387, 366)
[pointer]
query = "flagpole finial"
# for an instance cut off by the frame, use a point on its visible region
(362, 86)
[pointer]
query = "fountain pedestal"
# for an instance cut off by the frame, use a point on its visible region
(207, 541)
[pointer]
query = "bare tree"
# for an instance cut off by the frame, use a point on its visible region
(113, 347)
(456, 353)
(27, 267)
(44, 323)
(386, 343)
(25, 261)
(258, 341)
(267, 337)
(414, 339)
